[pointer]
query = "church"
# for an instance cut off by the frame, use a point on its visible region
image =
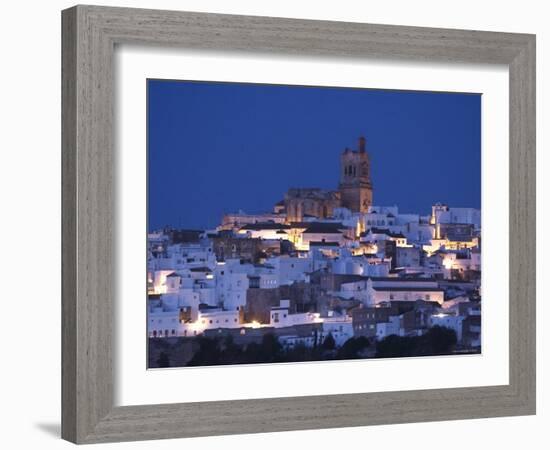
(354, 190)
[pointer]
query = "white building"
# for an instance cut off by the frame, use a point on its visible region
(385, 329)
(289, 269)
(280, 317)
(324, 232)
(237, 220)
(340, 327)
(444, 214)
(372, 292)
(162, 323)
(388, 294)
(266, 230)
(232, 282)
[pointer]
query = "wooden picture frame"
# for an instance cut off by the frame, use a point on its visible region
(90, 34)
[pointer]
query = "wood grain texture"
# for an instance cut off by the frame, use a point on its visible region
(68, 226)
(89, 36)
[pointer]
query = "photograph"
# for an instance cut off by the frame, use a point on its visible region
(303, 223)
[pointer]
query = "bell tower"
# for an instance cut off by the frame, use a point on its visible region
(355, 184)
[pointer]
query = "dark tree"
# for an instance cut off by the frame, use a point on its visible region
(208, 353)
(329, 343)
(163, 360)
(271, 350)
(231, 353)
(298, 353)
(437, 341)
(440, 340)
(394, 346)
(352, 347)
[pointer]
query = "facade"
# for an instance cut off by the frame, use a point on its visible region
(354, 190)
(313, 202)
(355, 183)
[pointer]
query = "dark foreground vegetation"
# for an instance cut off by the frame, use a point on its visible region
(207, 351)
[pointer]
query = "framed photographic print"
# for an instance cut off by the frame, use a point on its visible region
(287, 218)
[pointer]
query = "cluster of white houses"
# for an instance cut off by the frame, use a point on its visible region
(320, 263)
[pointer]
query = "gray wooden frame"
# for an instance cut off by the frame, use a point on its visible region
(89, 36)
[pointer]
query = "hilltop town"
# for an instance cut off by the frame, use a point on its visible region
(322, 275)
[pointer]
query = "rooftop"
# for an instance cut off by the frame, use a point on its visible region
(265, 226)
(323, 244)
(408, 289)
(325, 228)
(200, 269)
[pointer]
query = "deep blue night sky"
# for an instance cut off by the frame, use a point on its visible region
(221, 147)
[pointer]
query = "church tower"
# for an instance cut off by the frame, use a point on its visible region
(355, 185)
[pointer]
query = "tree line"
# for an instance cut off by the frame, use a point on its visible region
(223, 350)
